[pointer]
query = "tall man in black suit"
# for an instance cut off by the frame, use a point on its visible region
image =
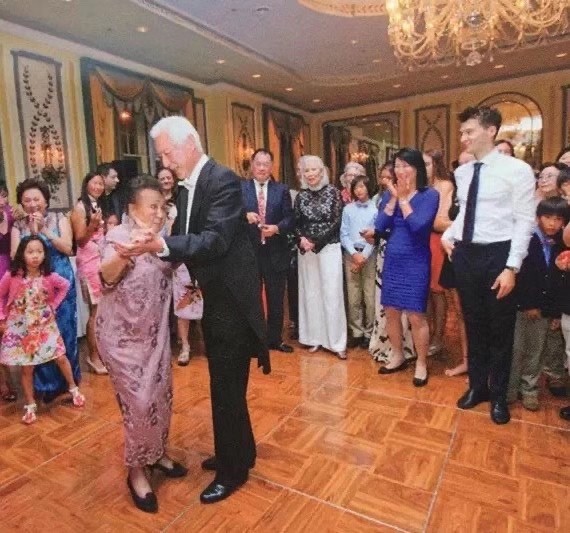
(210, 237)
(270, 217)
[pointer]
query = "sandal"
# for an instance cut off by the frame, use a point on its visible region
(30, 413)
(77, 398)
(7, 394)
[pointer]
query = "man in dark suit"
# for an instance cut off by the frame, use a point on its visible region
(210, 237)
(270, 217)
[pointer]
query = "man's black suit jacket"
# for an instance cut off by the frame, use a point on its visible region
(278, 211)
(216, 247)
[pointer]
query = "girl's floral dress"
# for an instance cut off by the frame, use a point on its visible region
(32, 336)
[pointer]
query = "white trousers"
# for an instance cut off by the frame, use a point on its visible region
(322, 316)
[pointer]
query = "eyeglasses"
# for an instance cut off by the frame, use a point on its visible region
(402, 166)
(548, 176)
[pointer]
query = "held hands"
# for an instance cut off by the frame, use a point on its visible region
(253, 218)
(268, 230)
(358, 262)
(532, 314)
(36, 222)
(142, 241)
(369, 235)
(505, 282)
(306, 245)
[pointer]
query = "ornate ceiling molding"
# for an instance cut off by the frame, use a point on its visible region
(182, 19)
(357, 8)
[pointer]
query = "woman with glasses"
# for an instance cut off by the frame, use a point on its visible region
(547, 186)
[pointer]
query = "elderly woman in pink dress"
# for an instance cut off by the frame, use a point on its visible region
(87, 225)
(134, 341)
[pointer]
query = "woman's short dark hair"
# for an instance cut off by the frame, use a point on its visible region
(562, 152)
(553, 206)
(141, 183)
(33, 183)
(439, 169)
(18, 265)
(508, 143)
(564, 176)
(414, 158)
(558, 166)
(85, 199)
(365, 181)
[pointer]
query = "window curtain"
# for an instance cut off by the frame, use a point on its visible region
(338, 154)
(286, 139)
(118, 90)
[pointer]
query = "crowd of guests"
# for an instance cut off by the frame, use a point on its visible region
(372, 264)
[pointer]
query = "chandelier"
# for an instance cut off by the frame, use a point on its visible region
(442, 32)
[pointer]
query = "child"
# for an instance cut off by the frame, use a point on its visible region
(110, 222)
(537, 329)
(29, 295)
(359, 264)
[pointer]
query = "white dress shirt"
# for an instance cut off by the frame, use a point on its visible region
(506, 206)
(190, 184)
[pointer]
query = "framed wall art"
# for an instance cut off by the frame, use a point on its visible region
(42, 124)
(243, 128)
(432, 129)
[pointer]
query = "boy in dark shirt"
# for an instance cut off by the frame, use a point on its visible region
(537, 329)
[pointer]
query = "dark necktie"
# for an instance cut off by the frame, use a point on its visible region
(469, 220)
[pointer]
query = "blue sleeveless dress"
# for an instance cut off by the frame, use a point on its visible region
(47, 377)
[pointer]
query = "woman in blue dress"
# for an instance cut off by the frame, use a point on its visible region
(408, 209)
(54, 229)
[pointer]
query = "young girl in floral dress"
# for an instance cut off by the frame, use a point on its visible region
(29, 295)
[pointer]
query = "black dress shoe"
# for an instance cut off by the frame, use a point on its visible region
(386, 370)
(218, 490)
(211, 464)
(500, 412)
(353, 342)
(148, 504)
(418, 382)
(558, 391)
(281, 347)
(365, 343)
(472, 398)
(177, 469)
(565, 413)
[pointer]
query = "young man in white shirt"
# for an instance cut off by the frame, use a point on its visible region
(487, 243)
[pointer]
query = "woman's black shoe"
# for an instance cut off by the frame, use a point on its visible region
(177, 469)
(148, 504)
(386, 370)
(418, 382)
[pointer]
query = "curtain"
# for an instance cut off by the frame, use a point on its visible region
(286, 141)
(114, 89)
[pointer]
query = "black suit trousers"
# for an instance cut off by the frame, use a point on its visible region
(490, 322)
(274, 282)
(229, 342)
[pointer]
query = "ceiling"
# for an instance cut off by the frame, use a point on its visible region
(339, 61)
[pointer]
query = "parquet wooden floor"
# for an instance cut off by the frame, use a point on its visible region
(340, 449)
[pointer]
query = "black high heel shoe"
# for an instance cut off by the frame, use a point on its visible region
(148, 504)
(177, 469)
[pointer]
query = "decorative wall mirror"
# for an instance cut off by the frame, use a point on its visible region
(522, 124)
(369, 140)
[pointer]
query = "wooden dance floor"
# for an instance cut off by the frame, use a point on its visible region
(340, 449)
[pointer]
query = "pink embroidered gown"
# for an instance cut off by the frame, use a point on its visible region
(134, 341)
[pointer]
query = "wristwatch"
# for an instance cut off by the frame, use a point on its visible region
(514, 270)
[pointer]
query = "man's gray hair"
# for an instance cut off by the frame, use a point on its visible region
(178, 129)
(305, 162)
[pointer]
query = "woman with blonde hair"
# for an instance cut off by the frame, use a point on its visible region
(318, 208)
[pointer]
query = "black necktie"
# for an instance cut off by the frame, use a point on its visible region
(469, 220)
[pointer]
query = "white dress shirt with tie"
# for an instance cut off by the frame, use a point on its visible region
(506, 207)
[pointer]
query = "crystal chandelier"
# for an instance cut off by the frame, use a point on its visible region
(427, 32)
(442, 32)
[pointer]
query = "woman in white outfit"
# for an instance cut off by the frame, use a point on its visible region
(318, 210)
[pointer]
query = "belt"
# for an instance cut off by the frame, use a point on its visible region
(482, 244)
